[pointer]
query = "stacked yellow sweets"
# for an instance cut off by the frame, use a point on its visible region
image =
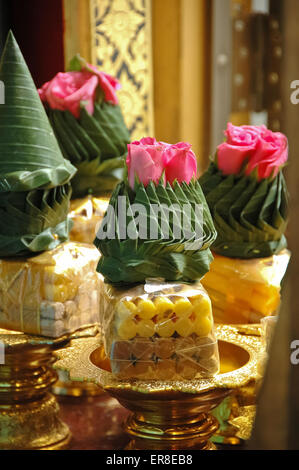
(163, 335)
(156, 317)
(48, 286)
(247, 195)
(245, 291)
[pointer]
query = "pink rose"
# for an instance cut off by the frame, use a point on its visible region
(179, 162)
(251, 147)
(67, 90)
(270, 155)
(148, 159)
(145, 161)
(240, 144)
(108, 84)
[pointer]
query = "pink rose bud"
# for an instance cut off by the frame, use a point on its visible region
(66, 91)
(252, 147)
(179, 162)
(241, 142)
(144, 161)
(271, 154)
(108, 84)
(148, 159)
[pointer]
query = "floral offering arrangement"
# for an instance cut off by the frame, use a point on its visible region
(48, 286)
(83, 109)
(246, 192)
(174, 230)
(154, 242)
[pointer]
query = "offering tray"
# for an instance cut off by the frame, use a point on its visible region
(169, 415)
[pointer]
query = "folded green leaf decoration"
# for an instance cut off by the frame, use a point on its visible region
(35, 185)
(144, 251)
(96, 144)
(250, 216)
(33, 221)
(30, 157)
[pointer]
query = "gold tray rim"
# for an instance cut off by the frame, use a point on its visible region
(75, 359)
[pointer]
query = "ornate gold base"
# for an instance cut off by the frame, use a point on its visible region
(190, 434)
(169, 415)
(29, 413)
(34, 425)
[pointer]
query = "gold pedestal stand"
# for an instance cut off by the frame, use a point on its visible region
(169, 415)
(29, 412)
(64, 387)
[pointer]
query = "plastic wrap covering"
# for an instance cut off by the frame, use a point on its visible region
(159, 330)
(245, 291)
(268, 329)
(51, 294)
(86, 215)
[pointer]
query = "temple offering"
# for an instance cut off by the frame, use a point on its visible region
(48, 286)
(247, 195)
(85, 115)
(156, 317)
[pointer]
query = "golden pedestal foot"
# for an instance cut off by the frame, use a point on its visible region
(169, 415)
(33, 425)
(29, 413)
(187, 433)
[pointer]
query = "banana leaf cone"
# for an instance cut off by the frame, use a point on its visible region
(96, 144)
(250, 216)
(30, 157)
(34, 177)
(169, 238)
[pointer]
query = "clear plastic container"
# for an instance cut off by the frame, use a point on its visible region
(159, 330)
(51, 294)
(245, 291)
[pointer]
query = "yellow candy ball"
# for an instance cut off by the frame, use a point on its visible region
(183, 308)
(145, 328)
(146, 309)
(164, 306)
(126, 309)
(203, 326)
(184, 327)
(165, 328)
(130, 306)
(127, 329)
(202, 306)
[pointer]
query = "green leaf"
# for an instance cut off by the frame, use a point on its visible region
(30, 157)
(128, 261)
(250, 216)
(93, 145)
(76, 64)
(112, 123)
(34, 221)
(96, 132)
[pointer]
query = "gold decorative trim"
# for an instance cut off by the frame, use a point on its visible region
(121, 46)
